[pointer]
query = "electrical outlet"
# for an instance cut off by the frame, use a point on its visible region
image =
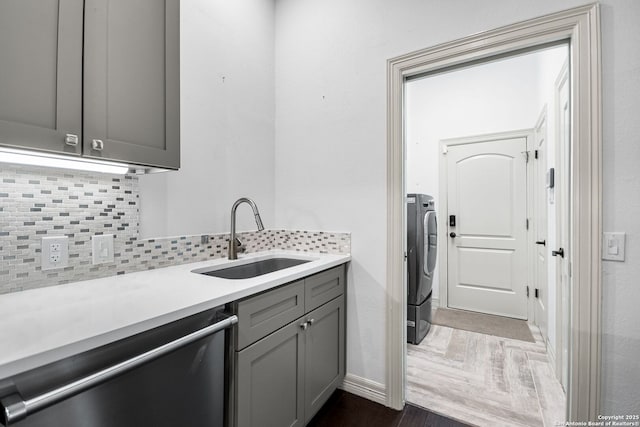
(55, 252)
(102, 248)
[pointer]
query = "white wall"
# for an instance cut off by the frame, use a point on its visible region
(227, 122)
(331, 148)
(494, 97)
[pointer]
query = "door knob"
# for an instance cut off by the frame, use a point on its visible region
(558, 252)
(452, 234)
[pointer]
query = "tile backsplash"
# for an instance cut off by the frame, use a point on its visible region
(38, 202)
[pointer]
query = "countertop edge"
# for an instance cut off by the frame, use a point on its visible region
(46, 357)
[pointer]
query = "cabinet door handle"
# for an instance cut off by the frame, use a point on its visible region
(71, 139)
(97, 144)
(304, 326)
(541, 242)
(310, 321)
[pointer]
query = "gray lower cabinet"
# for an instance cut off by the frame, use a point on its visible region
(324, 355)
(41, 75)
(270, 380)
(132, 81)
(285, 376)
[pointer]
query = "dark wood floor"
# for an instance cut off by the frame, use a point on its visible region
(347, 410)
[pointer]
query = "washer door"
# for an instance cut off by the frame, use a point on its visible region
(430, 242)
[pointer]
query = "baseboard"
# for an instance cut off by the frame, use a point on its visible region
(363, 387)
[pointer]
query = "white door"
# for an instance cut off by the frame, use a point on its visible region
(562, 231)
(540, 291)
(486, 191)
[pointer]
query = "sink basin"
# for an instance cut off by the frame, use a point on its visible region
(252, 269)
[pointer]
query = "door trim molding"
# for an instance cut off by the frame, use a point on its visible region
(581, 27)
(443, 208)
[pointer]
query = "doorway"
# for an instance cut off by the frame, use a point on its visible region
(580, 27)
(484, 181)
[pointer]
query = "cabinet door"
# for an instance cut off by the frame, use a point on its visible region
(324, 352)
(41, 74)
(270, 380)
(132, 81)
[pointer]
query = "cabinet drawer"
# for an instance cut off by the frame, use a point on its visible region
(260, 315)
(323, 287)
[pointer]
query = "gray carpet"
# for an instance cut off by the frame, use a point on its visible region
(484, 323)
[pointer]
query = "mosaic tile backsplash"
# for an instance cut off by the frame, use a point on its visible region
(38, 202)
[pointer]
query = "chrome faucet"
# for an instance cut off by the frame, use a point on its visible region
(233, 241)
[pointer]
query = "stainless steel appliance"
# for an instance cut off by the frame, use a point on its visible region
(173, 375)
(422, 246)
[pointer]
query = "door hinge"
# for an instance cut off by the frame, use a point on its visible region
(535, 154)
(527, 291)
(536, 293)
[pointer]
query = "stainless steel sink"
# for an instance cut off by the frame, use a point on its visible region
(253, 269)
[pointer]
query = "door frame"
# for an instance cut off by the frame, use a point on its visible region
(581, 28)
(442, 209)
(559, 168)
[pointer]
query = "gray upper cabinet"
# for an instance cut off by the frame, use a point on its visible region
(41, 74)
(132, 81)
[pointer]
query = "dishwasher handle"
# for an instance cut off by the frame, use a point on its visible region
(14, 408)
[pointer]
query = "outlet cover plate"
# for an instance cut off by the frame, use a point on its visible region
(55, 252)
(102, 248)
(613, 246)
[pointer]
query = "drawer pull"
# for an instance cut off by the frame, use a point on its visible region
(97, 144)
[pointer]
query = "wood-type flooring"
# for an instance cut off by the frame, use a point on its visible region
(484, 380)
(348, 410)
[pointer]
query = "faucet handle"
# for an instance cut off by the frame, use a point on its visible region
(239, 246)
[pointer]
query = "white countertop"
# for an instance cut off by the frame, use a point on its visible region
(44, 325)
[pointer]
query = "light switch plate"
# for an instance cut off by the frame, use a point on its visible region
(613, 246)
(102, 248)
(54, 252)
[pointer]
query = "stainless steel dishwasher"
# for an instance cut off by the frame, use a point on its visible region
(173, 375)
